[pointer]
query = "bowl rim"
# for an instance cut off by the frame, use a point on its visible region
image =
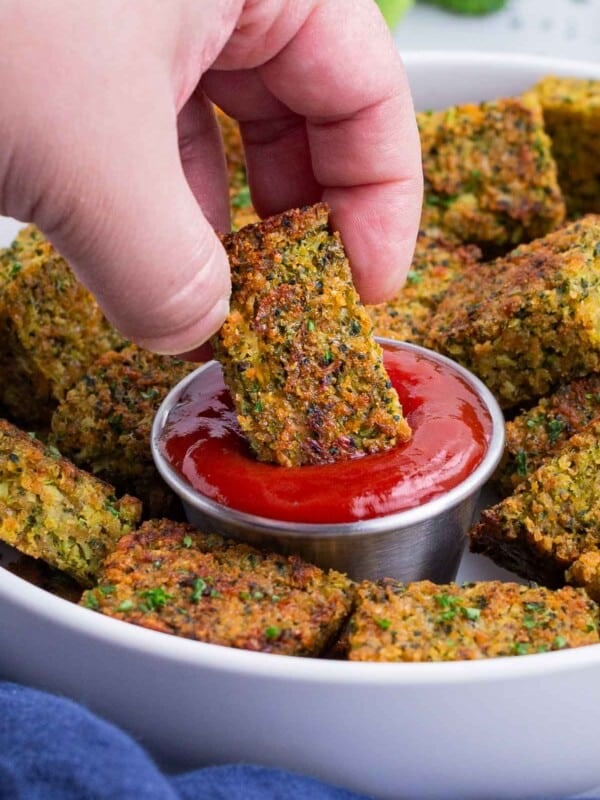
(514, 61)
(376, 525)
(274, 667)
(54, 610)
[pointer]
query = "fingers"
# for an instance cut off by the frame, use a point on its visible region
(276, 145)
(376, 201)
(363, 137)
(278, 156)
(91, 150)
(378, 230)
(340, 71)
(203, 159)
(91, 154)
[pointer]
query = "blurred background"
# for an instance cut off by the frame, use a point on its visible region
(558, 28)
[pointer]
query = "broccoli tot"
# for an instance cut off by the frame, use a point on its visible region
(436, 263)
(103, 423)
(51, 510)
(542, 431)
(424, 621)
(50, 326)
(571, 109)
(242, 210)
(305, 373)
(552, 519)
(530, 320)
(490, 178)
(170, 577)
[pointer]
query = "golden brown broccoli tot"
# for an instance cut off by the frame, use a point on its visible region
(298, 355)
(51, 510)
(530, 320)
(171, 577)
(424, 621)
(490, 178)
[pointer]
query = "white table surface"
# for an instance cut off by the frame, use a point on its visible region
(558, 28)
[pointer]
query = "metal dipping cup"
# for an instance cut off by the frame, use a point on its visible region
(425, 542)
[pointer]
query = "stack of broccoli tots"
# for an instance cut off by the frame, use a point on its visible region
(505, 280)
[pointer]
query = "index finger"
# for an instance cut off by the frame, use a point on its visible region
(340, 71)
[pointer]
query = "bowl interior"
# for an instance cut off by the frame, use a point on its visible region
(503, 727)
(437, 79)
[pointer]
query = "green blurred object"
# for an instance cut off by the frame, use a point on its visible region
(394, 10)
(470, 6)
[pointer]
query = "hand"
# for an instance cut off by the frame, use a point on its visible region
(110, 145)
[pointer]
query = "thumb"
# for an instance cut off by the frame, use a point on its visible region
(123, 215)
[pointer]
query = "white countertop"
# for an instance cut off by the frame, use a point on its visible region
(558, 28)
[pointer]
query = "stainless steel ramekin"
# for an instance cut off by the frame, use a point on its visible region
(425, 542)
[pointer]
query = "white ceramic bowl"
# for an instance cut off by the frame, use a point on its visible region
(516, 727)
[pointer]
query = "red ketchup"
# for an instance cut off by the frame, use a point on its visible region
(451, 431)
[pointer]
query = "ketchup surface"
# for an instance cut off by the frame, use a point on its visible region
(451, 433)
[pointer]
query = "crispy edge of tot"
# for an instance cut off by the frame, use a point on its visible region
(551, 519)
(50, 509)
(424, 621)
(305, 373)
(173, 578)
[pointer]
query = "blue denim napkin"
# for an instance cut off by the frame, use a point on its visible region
(53, 749)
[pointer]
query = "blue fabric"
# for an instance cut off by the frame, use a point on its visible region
(53, 749)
